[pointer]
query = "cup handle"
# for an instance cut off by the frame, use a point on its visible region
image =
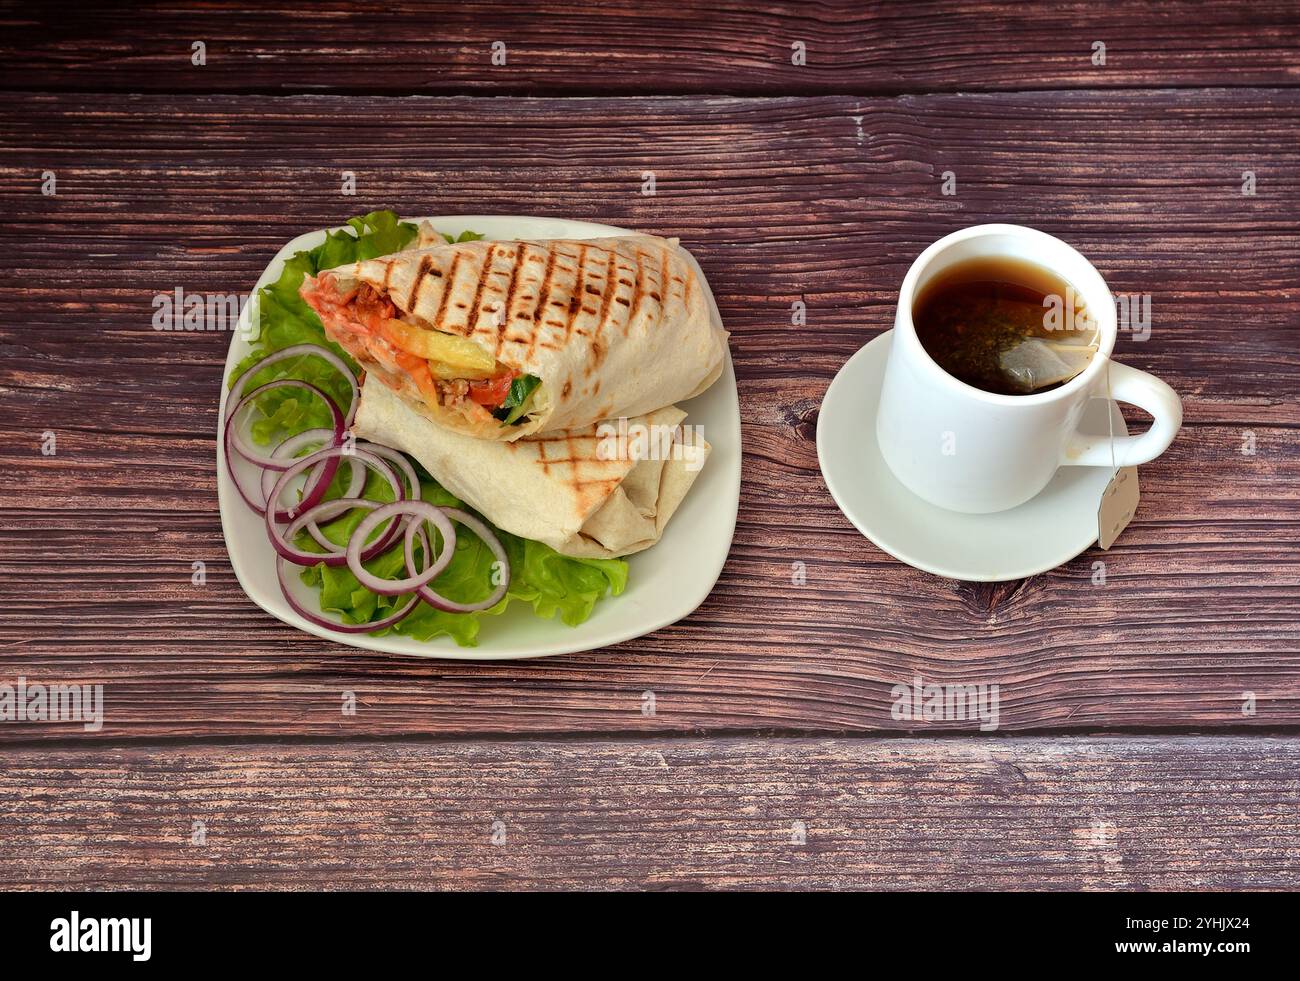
(1146, 392)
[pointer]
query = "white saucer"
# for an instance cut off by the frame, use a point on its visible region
(1053, 528)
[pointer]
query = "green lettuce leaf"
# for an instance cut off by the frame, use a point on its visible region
(465, 236)
(550, 583)
(285, 319)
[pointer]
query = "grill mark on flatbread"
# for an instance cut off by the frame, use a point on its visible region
(592, 476)
(472, 318)
(636, 291)
(520, 252)
(420, 272)
(446, 291)
(686, 288)
(546, 285)
(542, 301)
(610, 285)
(623, 281)
(567, 438)
(576, 300)
(663, 282)
(388, 272)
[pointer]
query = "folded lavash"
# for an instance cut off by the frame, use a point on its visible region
(588, 493)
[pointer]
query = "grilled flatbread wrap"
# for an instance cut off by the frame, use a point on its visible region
(608, 327)
(582, 492)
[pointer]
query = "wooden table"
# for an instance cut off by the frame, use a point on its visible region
(1148, 724)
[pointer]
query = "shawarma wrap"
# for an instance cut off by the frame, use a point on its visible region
(589, 493)
(499, 340)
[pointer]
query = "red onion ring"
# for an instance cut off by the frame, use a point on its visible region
(320, 467)
(260, 508)
(403, 464)
(356, 482)
(281, 573)
(294, 351)
(280, 541)
(279, 452)
(327, 511)
(494, 545)
(289, 448)
(414, 530)
(335, 555)
(336, 509)
(266, 462)
(423, 511)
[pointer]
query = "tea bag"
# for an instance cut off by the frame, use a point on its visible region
(1035, 363)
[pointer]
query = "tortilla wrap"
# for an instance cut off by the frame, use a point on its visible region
(612, 327)
(583, 492)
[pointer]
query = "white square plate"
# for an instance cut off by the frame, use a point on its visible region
(666, 582)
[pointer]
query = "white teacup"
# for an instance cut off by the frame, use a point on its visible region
(966, 449)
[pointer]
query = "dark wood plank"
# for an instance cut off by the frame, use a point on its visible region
(822, 199)
(1073, 813)
(684, 46)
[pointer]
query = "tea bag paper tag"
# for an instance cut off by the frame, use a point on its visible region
(1119, 502)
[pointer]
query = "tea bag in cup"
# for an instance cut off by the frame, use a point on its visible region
(1035, 363)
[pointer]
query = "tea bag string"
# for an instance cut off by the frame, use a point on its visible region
(1110, 421)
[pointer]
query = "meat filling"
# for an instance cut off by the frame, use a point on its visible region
(365, 323)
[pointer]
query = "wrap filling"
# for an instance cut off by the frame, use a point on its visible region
(450, 372)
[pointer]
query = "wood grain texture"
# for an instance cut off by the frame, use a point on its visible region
(655, 47)
(825, 200)
(1071, 813)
